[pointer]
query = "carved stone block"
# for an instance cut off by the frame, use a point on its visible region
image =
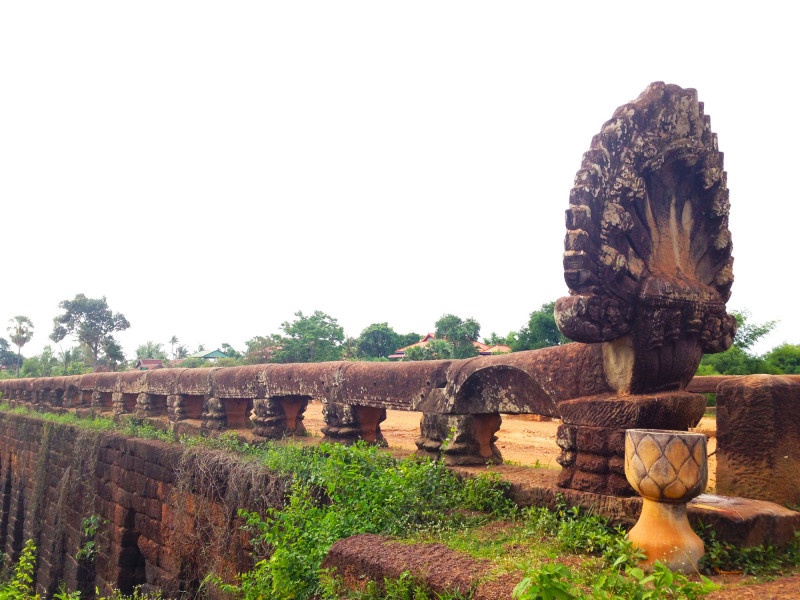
(460, 439)
(346, 423)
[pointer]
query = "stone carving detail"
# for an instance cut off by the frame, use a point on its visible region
(347, 423)
(277, 417)
(648, 263)
(213, 416)
(460, 439)
(667, 468)
(648, 250)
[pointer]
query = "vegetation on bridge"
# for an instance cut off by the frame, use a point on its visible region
(337, 491)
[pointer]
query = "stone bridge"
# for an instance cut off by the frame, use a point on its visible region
(648, 264)
(649, 268)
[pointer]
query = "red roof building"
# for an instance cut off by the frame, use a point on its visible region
(483, 349)
(148, 364)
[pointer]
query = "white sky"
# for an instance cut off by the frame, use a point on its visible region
(213, 167)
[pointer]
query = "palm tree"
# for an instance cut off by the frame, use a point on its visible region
(20, 332)
(172, 342)
(151, 350)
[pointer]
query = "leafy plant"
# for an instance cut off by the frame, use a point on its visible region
(90, 526)
(754, 560)
(21, 584)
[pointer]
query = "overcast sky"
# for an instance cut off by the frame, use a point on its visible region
(214, 167)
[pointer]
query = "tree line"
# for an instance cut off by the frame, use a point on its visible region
(319, 337)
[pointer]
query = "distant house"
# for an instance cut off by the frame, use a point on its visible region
(148, 364)
(483, 349)
(211, 355)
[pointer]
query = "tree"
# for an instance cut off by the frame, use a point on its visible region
(112, 357)
(71, 361)
(44, 365)
(92, 322)
(7, 358)
(315, 338)
(739, 358)
(20, 332)
(432, 350)
(783, 359)
(151, 350)
(377, 341)
(460, 333)
(406, 339)
(748, 334)
(230, 351)
(496, 340)
(540, 332)
(173, 341)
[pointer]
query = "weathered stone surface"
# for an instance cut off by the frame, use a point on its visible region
(672, 410)
(239, 382)
(369, 557)
(131, 382)
(346, 423)
(592, 435)
(278, 417)
(461, 439)
(648, 252)
(195, 381)
(758, 438)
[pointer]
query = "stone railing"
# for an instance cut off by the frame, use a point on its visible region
(461, 400)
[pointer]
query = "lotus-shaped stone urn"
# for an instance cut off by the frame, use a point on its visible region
(667, 468)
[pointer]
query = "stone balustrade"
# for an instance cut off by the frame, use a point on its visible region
(461, 400)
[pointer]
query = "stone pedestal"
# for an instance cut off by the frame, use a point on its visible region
(666, 468)
(278, 417)
(592, 436)
(347, 423)
(460, 439)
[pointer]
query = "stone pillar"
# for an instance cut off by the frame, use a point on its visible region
(347, 423)
(144, 405)
(117, 403)
(213, 416)
(592, 436)
(72, 397)
(460, 439)
(758, 438)
(175, 408)
(279, 416)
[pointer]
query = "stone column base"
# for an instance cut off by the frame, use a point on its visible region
(279, 416)
(347, 423)
(460, 439)
(592, 436)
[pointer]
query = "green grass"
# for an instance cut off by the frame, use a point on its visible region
(337, 491)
